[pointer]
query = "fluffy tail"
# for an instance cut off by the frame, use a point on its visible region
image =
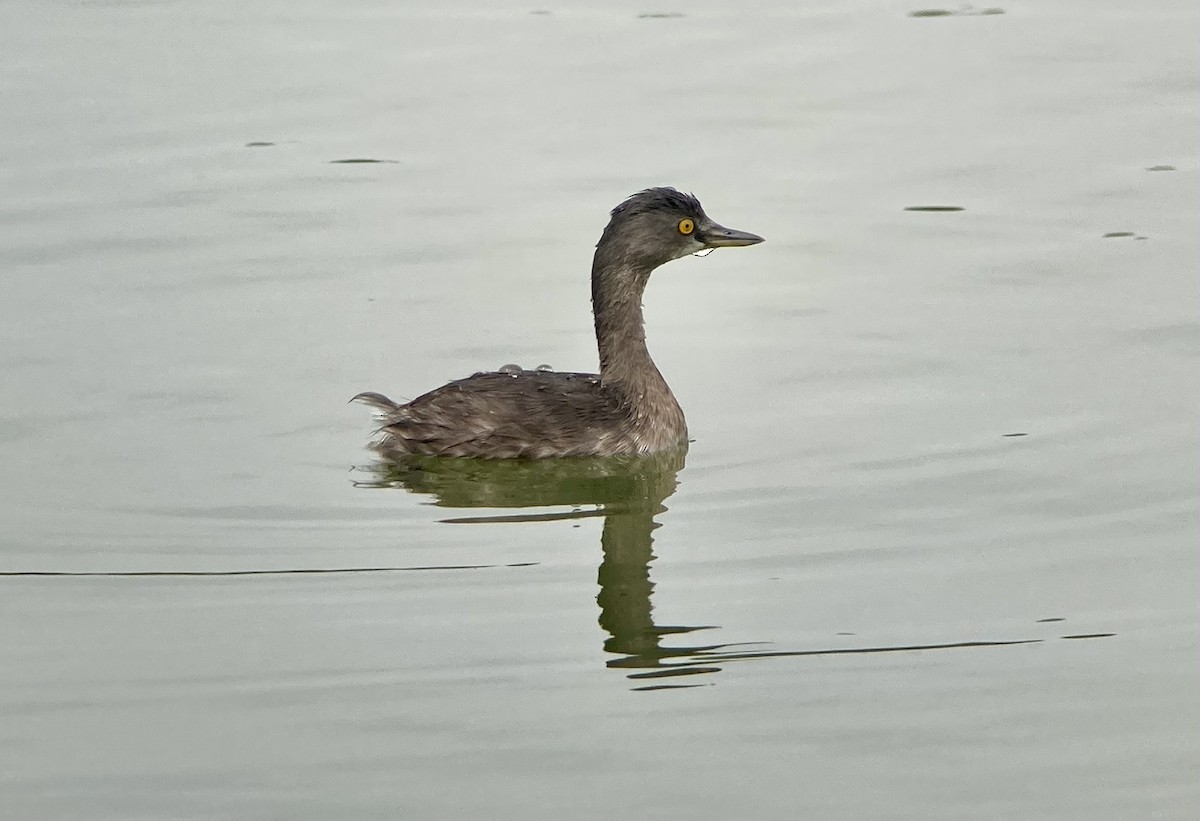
(378, 401)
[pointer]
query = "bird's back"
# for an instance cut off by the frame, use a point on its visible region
(522, 414)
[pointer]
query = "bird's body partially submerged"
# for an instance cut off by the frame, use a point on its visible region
(528, 414)
(625, 409)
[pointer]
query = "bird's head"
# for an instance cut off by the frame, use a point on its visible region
(661, 224)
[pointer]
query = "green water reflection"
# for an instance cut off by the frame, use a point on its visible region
(628, 492)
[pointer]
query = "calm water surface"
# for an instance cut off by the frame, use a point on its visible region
(932, 554)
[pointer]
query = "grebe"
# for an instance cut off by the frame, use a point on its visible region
(627, 408)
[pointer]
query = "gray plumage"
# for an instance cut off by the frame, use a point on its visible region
(625, 409)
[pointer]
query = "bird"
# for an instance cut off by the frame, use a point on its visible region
(626, 409)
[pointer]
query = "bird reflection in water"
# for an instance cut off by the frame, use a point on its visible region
(628, 492)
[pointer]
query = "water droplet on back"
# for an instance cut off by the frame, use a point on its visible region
(511, 369)
(544, 368)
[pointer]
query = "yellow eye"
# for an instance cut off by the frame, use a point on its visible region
(686, 226)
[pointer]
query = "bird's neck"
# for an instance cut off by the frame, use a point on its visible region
(618, 285)
(626, 369)
(617, 289)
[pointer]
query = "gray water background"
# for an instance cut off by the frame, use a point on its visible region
(185, 313)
